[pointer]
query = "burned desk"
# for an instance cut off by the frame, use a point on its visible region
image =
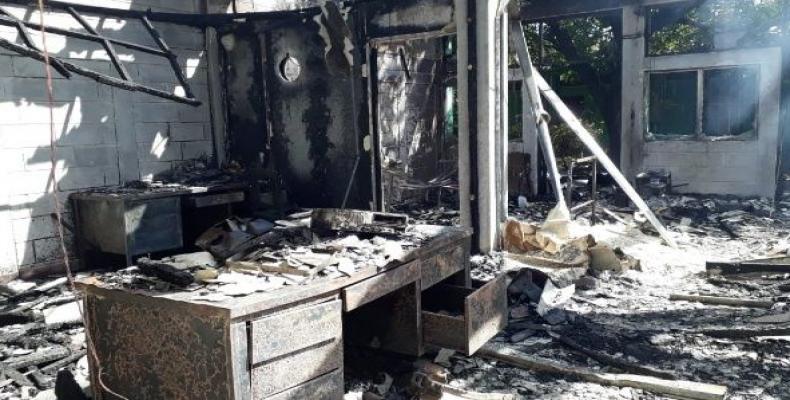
(286, 343)
(131, 222)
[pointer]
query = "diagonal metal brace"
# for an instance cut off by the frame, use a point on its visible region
(105, 43)
(20, 27)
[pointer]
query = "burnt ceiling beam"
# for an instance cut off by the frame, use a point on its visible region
(4, 20)
(541, 10)
(25, 36)
(171, 57)
(189, 19)
(98, 77)
(122, 72)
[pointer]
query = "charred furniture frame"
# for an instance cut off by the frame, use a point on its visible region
(285, 344)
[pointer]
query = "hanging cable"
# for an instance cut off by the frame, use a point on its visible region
(53, 178)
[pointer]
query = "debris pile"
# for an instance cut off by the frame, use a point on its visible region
(43, 341)
(640, 308)
(246, 256)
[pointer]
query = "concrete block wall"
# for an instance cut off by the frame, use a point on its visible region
(104, 135)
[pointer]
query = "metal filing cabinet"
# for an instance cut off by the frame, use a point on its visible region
(127, 225)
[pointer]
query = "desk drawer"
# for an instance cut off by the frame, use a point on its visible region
(325, 387)
(376, 287)
(440, 266)
(293, 347)
(464, 319)
(293, 330)
(294, 370)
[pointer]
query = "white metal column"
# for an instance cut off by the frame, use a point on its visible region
(485, 39)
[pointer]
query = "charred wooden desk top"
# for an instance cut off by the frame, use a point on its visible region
(233, 308)
(154, 192)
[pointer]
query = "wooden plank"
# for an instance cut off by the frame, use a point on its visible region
(748, 267)
(291, 371)
(723, 301)
(216, 94)
(486, 312)
(589, 141)
(293, 330)
(371, 289)
(328, 387)
(673, 388)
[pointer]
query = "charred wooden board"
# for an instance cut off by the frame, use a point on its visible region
(328, 219)
(373, 288)
(780, 265)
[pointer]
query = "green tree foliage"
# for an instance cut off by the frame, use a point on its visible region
(694, 27)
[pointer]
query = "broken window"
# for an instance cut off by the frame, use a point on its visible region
(673, 100)
(730, 102)
(713, 103)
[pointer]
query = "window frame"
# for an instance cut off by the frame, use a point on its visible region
(699, 134)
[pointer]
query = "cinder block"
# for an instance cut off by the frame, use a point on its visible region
(90, 133)
(30, 182)
(148, 132)
(95, 156)
(152, 170)
(11, 161)
(156, 73)
(38, 158)
(155, 112)
(29, 68)
(8, 263)
(182, 37)
(33, 228)
(182, 132)
(71, 112)
(75, 178)
(48, 250)
(193, 150)
(25, 254)
(31, 205)
(165, 150)
(194, 114)
(6, 66)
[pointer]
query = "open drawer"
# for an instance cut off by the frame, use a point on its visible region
(464, 319)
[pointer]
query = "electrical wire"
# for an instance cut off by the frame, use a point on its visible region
(58, 210)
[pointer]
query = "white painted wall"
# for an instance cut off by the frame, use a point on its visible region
(105, 136)
(737, 167)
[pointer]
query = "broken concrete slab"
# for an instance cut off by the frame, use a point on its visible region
(65, 314)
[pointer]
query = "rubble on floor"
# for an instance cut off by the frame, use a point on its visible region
(638, 316)
(636, 319)
(43, 341)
